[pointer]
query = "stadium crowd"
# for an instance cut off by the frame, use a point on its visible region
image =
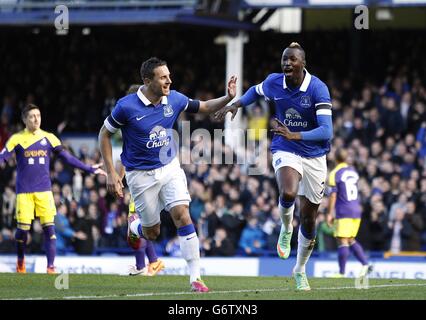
(378, 113)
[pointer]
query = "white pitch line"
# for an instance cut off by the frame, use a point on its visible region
(150, 294)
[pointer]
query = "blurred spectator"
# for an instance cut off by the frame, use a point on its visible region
(272, 228)
(84, 224)
(233, 221)
(172, 248)
(219, 245)
(252, 240)
(8, 207)
(7, 243)
(378, 228)
(64, 233)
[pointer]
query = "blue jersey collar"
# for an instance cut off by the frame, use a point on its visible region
(305, 83)
(145, 100)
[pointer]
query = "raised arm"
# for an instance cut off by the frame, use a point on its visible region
(214, 105)
(249, 97)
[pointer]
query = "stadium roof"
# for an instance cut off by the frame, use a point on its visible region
(200, 12)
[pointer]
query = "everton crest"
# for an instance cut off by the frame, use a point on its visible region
(168, 110)
(305, 101)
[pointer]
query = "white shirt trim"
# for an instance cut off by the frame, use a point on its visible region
(259, 89)
(145, 100)
(305, 83)
(109, 127)
(327, 103)
(324, 112)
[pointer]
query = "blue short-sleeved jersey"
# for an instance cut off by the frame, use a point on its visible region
(298, 109)
(147, 130)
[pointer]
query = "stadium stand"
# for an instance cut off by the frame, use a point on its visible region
(379, 100)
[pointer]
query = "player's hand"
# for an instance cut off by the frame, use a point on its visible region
(281, 129)
(330, 220)
(98, 169)
(220, 114)
(232, 88)
(114, 184)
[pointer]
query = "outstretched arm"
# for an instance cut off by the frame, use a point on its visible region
(214, 105)
(114, 183)
(249, 97)
(73, 161)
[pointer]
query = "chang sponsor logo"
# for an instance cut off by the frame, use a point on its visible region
(294, 119)
(158, 138)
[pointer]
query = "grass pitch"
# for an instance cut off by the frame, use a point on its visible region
(166, 287)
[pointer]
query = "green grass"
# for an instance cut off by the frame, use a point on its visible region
(42, 286)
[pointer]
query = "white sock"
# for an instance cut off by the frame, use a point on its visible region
(286, 215)
(134, 226)
(304, 250)
(190, 247)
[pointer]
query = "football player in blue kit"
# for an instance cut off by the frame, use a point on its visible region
(302, 132)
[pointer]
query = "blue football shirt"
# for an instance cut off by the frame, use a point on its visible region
(298, 109)
(147, 130)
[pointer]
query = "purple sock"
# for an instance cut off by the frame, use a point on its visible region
(343, 254)
(50, 244)
(359, 253)
(150, 252)
(21, 237)
(140, 258)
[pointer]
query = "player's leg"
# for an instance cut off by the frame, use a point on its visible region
(140, 267)
(133, 238)
(306, 241)
(357, 250)
(46, 210)
(342, 254)
(145, 188)
(155, 265)
(175, 196)
(189, 245)
(141, 247)
(24, 217)
(311, 190)
(288, 170)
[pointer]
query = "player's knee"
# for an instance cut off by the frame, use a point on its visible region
(288, 195)
(308, 223)
(181, 215)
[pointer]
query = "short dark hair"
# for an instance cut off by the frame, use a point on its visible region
(27, 109)
(148, 66)
(133, 88)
